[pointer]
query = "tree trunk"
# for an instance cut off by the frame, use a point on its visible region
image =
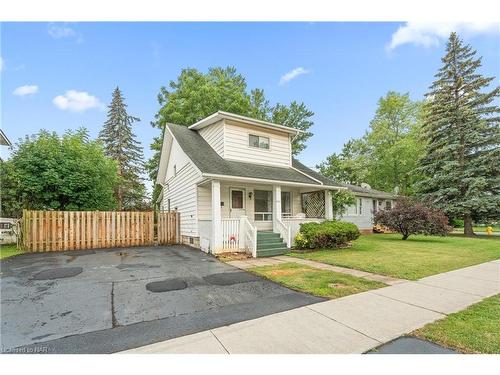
(405, 237)
(468, 231)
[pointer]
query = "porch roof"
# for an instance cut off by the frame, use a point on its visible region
(210, 162)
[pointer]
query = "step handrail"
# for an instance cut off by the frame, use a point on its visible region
(284, 231)
(250, 237)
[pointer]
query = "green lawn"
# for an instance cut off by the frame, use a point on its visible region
(417, 257)
(320, 283)
(8, 251)
(479, 230)
(474, 330)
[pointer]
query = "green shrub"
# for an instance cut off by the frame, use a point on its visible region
(328, 234)
(457, 223)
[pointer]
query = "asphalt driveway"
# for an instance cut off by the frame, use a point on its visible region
(105, 301)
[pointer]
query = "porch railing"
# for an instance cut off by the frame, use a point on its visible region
(249, 234)
(231, 234)
(239, 234)
(285, 232)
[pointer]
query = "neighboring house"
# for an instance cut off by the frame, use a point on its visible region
(237, 187)
(368, 201)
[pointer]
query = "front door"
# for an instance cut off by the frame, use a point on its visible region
(237, 203)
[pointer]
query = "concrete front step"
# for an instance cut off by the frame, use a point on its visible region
(271, 252)
(269, 244)
(268, 235)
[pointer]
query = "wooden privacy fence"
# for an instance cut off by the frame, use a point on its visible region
(167, 225)
(74, 230)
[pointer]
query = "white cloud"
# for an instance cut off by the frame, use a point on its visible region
(430, 34)
(62, 30)
(25, 90)
(77, 101)
(287, 77)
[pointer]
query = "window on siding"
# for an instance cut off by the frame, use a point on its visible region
(258, 141)
(374, 202)
(388, 205)
(360, 206)
(237, 199)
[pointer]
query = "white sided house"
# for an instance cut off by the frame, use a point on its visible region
(237, 188)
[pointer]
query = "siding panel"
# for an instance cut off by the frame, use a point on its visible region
(214, 135)
(181, 190)
(236, 145)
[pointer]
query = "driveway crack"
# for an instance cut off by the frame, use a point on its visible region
(114, 322)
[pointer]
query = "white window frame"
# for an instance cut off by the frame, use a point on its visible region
(259, 137)
(283, 213)
(231, 198)
(263, 214)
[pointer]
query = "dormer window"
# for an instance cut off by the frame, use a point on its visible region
(258, 141)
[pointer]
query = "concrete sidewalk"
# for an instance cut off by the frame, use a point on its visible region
(353, 324)
(256, 262)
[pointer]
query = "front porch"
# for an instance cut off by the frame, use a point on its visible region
(233, 214)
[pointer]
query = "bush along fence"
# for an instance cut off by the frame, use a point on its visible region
(75, 230)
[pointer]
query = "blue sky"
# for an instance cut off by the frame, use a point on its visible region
(60, 76)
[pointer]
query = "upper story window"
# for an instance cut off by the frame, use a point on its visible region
(388, 205)
(258, 141)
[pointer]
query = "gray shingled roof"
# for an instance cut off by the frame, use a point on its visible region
(209, 161)
(327, 181)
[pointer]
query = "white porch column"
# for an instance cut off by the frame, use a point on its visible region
(276, 204)
(241, 233)
(216, 218)
(328, 205)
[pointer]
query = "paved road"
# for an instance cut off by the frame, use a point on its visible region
(106, 301)
(352, 324)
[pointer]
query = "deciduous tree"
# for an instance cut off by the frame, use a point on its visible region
(48, 172)
(411, 217)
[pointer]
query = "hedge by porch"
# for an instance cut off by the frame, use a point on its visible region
(327, 234)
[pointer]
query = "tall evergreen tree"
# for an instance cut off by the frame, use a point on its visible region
(120, 145)
(461, 126)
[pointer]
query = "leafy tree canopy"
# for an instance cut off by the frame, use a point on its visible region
(48, 172)
(387, 155)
